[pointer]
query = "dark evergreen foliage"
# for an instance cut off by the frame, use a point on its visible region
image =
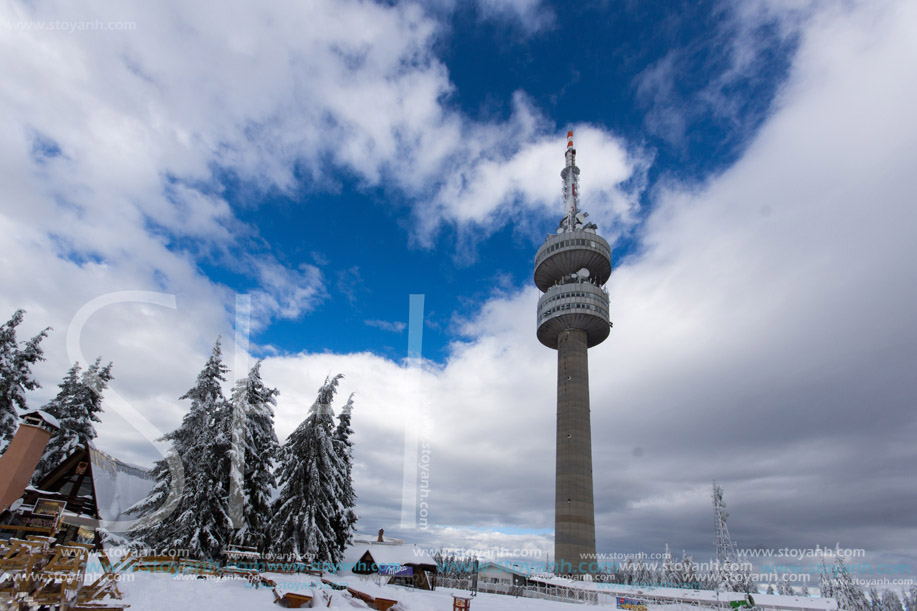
(199, 519)
(310, 478)
(255, 448)
(16, 360)
(345, 520)
(77, 405)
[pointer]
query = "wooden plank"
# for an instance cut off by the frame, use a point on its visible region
(384, 604)
(295, 601)
(31, 529)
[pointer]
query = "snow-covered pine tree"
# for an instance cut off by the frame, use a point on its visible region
(784, 587)
(59, 405)
(653, 574)
(891, 601)
(77, 405)
(627, 570)
(825, 580)
(254, 450)
(345, 520)
(875, 599)
(615, 572)
(16, 360)
(804, 590)
(848, 593)
(691, 579)
(641, 573)
(310, 486)
(669, 576)
(152, 525)
(909, 599)
(199, 522)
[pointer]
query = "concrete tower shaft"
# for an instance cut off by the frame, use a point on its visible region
(574, 509)
(571, 269)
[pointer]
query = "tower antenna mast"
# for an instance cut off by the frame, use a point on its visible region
(571, 269)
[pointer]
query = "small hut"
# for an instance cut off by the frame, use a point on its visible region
(393, 560)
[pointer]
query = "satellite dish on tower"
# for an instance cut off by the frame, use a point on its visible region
(583, 273)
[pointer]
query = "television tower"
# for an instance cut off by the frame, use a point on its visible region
(571, 269)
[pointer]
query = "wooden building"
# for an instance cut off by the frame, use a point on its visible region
(93, 489)
(393, 560)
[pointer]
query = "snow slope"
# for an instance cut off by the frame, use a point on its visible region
(158, 592)
(151, 592)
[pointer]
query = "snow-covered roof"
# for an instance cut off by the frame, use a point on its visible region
(386, 554)
(763, 601)
(514, 570)
(118, 485)
(44, 416)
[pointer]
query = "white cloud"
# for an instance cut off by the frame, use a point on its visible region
(143, 117)
(530, 15)
(770, 310)
(285, 293)
(386, 325)
(763, 337)
(500, 180)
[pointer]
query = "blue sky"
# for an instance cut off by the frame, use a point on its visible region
(751, 163)
(650, 74)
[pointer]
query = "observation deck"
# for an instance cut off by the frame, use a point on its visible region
(577, 304)
(566, 253)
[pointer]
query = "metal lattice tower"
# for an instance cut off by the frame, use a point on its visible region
(571, 269)
(725, 547)
(731, 574)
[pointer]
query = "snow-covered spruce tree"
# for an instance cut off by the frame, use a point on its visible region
(848, 593)
(16, 360)
(254, 450)
(152, 526)
(310, 478)
(784, 587)
(346, 519)
(891, 601)
(735, 576)
(77, 405)
(909, 599)
(875, 599)
(199, 522)
(614, 572)
(653, 574)
(626, 571)
(668, 577)
(641, 573)
(675, 571)
(690, 572)
(825, 580)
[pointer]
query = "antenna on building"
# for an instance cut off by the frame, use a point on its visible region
(570, 174)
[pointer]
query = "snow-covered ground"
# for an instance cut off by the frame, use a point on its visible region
(152, 592)
(158, 592)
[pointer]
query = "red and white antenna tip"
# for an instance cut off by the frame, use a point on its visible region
(569, 139)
